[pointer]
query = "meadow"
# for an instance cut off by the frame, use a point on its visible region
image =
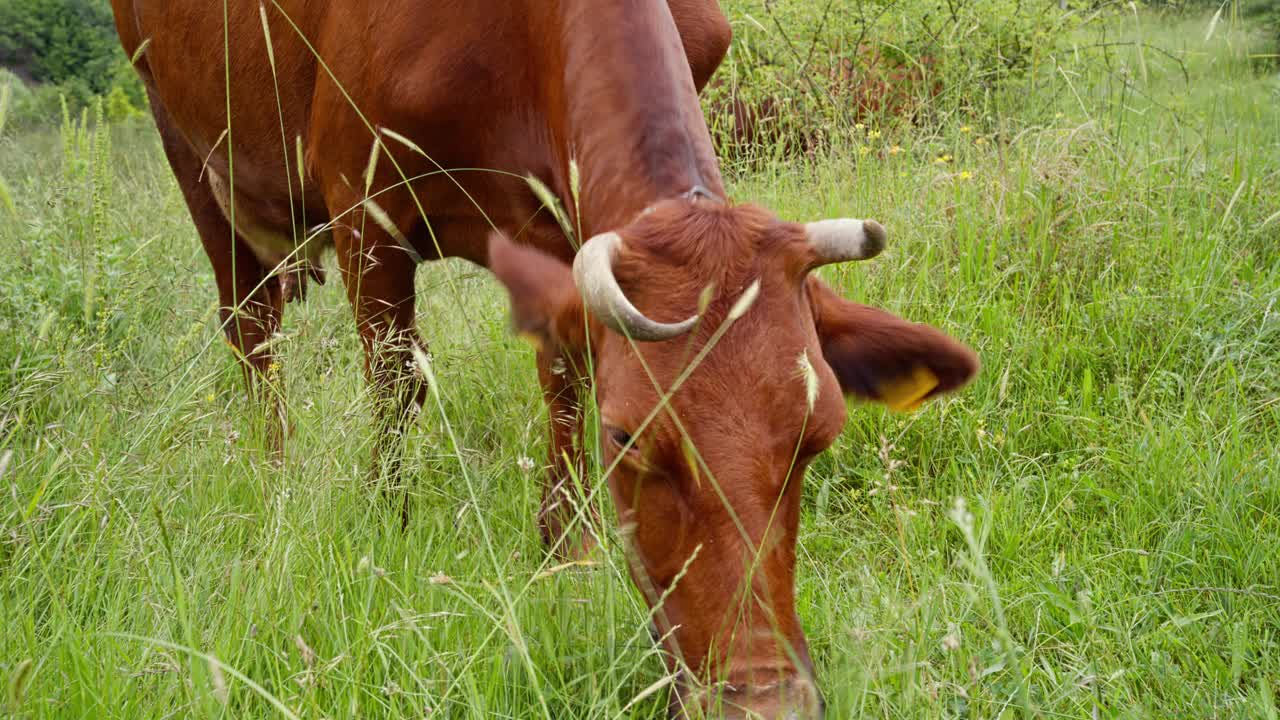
(1090, 530)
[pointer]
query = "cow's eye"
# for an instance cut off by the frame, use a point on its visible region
(619, 437)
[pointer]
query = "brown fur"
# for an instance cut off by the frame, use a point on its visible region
(743, 408)
(526, 87)
(518, 87)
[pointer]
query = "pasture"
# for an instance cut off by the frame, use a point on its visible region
(1091, 529)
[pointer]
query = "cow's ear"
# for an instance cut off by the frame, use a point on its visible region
(546, 308)
(881, 357)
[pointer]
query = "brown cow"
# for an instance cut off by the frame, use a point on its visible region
(718, 360)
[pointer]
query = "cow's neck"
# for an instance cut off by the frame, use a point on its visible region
(631, 118)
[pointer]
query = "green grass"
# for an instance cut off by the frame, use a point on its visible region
(1110, 245)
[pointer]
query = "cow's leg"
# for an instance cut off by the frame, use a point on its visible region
(379, 281)
(250, 296)
(564, 491)
(705, 33)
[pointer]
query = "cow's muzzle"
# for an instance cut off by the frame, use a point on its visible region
(795, 698)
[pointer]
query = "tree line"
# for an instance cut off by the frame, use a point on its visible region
(53, 51)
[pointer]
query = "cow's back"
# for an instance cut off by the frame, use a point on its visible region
(470, 83)
(450, 75)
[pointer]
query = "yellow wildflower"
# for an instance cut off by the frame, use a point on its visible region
(965, 175)
(873, 134)
(859, 127)
(863, 150)
(980, 141)
(966, 129)
(942, 159)
(895, 149)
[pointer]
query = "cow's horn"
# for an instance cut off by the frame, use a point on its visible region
(593, 274)
(836, 241)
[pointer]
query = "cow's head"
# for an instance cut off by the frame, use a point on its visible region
(720, 366)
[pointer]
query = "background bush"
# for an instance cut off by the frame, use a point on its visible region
(58, 40)
(65, 48)
(800, 71)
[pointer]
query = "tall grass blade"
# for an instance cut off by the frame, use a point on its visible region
(6, 198)
(810, 377)
(142, 49)
(659, 684)
(413, 146)
(745, 301)
(300, 160)
(371, 169)
(6, 94)
(210, 660)
(552, 204)
(380, 216)
(1226, 214)
(1213, 22)
(266, 35)
(1266, 700)
(18, 682)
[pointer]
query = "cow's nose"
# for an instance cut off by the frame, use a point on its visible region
(793, 699)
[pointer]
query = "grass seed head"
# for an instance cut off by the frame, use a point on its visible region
(810, 378)
(218, 681)
(308, 655)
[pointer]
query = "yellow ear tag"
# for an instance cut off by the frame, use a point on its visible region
(907, 393)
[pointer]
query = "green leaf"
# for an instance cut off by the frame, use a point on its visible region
(6, 198)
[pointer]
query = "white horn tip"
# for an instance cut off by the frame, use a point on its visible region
(877, 237)
(846, 239)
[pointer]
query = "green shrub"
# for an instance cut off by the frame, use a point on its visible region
(118, 106)
(1266, 15)
(57, 40)
(802, 71)
(69, 267)
(22, 101)
(68, 48)
(18, 90)
(1261, 14)
(41, 105)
